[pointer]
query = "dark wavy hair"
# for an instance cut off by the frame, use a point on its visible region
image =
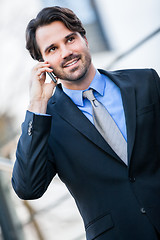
(45, 17)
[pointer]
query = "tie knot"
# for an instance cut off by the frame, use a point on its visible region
(89, 95)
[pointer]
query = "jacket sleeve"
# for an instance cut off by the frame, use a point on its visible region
(33, 169)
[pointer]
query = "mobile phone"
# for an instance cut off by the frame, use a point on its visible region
(52, 76)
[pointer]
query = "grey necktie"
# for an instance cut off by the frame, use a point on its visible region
(107, 126)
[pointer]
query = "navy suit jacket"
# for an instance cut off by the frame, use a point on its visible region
(116, 202)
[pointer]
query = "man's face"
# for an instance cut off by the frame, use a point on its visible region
(66, 51)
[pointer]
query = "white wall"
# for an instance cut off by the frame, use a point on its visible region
(127, 22)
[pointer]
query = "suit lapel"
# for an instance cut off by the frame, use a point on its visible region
(64, 107)
(129, 104)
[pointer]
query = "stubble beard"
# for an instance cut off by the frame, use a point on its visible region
(75, 74)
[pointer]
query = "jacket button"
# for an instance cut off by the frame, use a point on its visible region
(143, 210)
(132, 179)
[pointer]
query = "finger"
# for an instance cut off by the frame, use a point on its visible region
(42, 70)
(43, 76)
(53, 83)
(41, 65)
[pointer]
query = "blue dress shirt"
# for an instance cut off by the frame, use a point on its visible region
(106, 92)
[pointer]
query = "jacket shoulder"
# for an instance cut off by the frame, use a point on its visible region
(138, 71)
(134, 76)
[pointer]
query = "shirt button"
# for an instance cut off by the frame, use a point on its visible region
(143, 210)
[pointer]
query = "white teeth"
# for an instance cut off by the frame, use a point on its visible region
(70, 64)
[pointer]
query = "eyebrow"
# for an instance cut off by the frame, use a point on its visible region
(66, 37)
(47, 48)
(70, 35)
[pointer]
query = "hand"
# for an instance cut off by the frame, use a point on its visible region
(40, 91)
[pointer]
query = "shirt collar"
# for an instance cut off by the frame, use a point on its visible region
(98, 84)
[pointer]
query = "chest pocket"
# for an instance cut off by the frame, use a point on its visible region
(146, 109)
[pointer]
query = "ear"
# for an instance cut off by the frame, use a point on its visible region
(85, 38)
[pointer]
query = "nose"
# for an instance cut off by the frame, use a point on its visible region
(65, 51)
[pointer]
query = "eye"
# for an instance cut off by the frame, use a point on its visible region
(70, 39)
(52, 49)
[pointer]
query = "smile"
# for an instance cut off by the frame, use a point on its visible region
(71, 63)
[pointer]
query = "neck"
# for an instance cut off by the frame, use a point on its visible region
(81, 84)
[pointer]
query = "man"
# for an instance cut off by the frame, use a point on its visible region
(118, 198)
